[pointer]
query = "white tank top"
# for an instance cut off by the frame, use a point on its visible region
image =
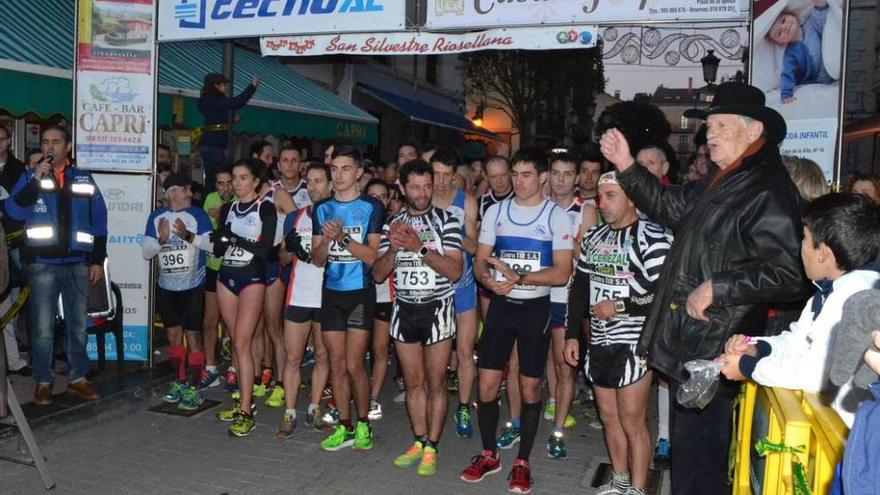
(304, 289)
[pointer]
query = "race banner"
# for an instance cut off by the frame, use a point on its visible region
(115, 84)
(789, 37)
(464, 14)
(129, 201)
(209, 19)
(424, 43)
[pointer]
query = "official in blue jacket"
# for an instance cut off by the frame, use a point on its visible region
(65, 246)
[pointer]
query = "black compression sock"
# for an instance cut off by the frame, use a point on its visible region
(433, 444)
(487, 419)
(530, 419)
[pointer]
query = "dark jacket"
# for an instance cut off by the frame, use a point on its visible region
(8, 177)
(215, 110)
(744, 234)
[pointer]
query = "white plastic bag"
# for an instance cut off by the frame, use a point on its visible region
(700, 388)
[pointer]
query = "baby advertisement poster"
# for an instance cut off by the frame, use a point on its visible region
(797, 61)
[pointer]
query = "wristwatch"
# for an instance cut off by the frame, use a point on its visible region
(345, 241)
(521, 278)
(619, 306)
(423, 251)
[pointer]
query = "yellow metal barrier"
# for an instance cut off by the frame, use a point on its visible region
(811, 432)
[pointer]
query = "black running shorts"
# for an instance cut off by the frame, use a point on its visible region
(524, 322)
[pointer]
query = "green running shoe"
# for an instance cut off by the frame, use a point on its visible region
(175, 392)
(411, 456)
(276, 397)
(243, 425)
(428, 466)
(191, 399)
(550, 411)
(227, 414)
(363, 436)
(259, 391)
(339, 439)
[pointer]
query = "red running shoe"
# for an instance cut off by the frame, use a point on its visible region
(481, 465)
(520, 478)
(267, 378)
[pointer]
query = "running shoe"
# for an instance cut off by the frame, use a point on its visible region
(308, 357)
(550, 415)
(509, 436)
(661, 453)
(556, 445)
(618, 485)
(481, 465)
(400, 398)
(463, 426)
(267, 379)
(520, 478)
(227, 414)
(327, 394)
(211, 379)
(175, 392)
(314, 420)
(428, 466)
(231, 381)
(375, 413)
(259, 391)
(411, 456)
(339, 439)
(611, 489)
(451, 381)
(276, 397)
(331, 417)
(226, 349)
(242, 425)
(190, 400)
(363, 436)
(286, 427)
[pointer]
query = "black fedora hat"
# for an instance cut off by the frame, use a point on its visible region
(743, 99)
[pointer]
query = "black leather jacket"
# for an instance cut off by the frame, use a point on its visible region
(744, 234)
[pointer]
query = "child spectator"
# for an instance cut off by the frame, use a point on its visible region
(841, 237)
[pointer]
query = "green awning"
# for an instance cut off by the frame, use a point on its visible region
(25, 92)
(35, 76)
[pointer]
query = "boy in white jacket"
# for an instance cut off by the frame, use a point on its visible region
(841, 237)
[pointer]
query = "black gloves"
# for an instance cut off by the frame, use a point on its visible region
(293, 245)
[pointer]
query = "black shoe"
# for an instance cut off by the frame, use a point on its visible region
(23, 371)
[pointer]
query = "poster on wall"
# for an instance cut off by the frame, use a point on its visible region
(129, 202)
(797, 61)
(115, 84)
(462, 14)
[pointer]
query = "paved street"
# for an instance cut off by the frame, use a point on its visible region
(135, 451)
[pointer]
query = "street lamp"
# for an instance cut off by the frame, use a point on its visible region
(710, 67)
(477, 118)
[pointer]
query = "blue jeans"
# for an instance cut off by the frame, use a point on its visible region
(47, 282)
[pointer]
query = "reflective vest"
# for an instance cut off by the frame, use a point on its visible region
(58, 212)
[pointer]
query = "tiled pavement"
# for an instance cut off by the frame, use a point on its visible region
(125, 449)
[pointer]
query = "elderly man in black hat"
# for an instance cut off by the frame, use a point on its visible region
(736, 250)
